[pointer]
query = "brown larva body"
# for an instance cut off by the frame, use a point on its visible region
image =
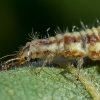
(85, 43)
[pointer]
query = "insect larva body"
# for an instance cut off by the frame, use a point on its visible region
(76, 44)
(70, 45)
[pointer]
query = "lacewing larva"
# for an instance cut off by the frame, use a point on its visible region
(71, 45)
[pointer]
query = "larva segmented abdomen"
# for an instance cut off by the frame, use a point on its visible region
(85, 43)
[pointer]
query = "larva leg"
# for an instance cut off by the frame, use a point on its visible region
(42, 67)
(80, 62)
(49, 58)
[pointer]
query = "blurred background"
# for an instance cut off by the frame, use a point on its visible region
(17, 17)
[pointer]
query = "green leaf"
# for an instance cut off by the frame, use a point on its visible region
(50, 84)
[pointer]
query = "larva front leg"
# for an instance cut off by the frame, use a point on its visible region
(49, 58)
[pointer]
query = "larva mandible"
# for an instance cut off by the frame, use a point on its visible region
(70, 45)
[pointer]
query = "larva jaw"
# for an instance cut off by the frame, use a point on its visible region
(10, 63)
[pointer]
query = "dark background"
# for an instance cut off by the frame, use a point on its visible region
(17, 17)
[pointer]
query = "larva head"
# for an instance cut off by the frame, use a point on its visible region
(24, 54)
(21, 57)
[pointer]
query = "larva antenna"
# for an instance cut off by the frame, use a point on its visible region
(7, 56)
